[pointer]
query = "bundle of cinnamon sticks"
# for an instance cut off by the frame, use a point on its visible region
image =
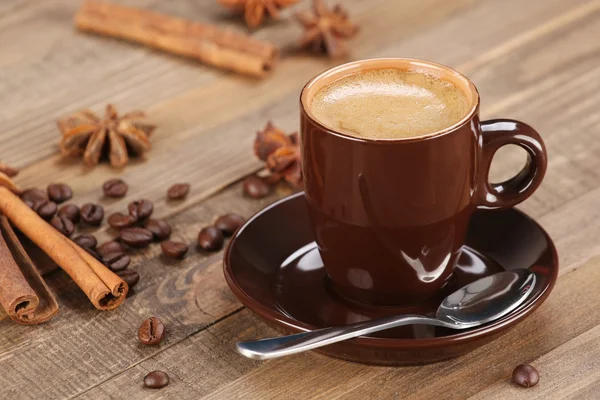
(23, 293)
(211, 45)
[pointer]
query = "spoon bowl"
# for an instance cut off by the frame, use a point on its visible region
(486, 299)
(480, 302)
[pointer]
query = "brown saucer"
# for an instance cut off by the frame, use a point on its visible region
(273, 267)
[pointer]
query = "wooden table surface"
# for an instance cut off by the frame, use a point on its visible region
(536, 60)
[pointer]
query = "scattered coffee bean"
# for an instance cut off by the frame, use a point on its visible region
(63, 225)
(229, 223)
(119, 220)
(256, 187)
(159, 228)
(45, 209)
(136, 237)
(525, 375)
(152, 331)
(92, 214)
(86, 241)
(115, 188)
(32, 196)
(156, 380)
(69, 211)
(178, 191)
(130, 276)
(59, 192)
(174, 249)
(110, 247)
(116, 261)
(210, 238)
(141, 209)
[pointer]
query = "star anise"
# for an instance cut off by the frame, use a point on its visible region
(281, 153)
(8, 170)
(326, 29)
(254, 10)
(85, 133)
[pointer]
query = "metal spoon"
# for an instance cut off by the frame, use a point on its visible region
(480, 302)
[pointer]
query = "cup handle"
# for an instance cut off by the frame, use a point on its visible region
(495, 134)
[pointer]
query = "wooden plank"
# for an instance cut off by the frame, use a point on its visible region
(315, 376)
(206, 364)
(575, 229)
(571, 371)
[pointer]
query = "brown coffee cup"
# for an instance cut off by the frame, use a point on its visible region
(390, 216)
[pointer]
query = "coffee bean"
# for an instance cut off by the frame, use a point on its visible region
(115, 188)
(92, 214)
(116, 261)
(63, 225)
(31, 196)
(59, 192)
(174, 249)
(229, 223)
(152, 331)
(210, 238)
(140, 209)
(110, 247)
(525, 375)
(159, 228)
(120, 220)
(130, 276)
(178, 191)
(45, 209)
(156, 380)
(136, 237)
(86, 241)
(69, 211)
(255, 187)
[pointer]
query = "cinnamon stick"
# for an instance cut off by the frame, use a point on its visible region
(220, 48)
(7, 182)
(23, 293)
(104, 288)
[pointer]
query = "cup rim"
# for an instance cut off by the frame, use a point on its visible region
(349, 68)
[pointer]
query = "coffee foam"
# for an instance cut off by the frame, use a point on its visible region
(389, 103)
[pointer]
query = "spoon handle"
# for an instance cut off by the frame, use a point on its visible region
(292, 344)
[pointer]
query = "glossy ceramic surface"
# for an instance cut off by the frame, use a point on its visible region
(274, 268)
(390, 216)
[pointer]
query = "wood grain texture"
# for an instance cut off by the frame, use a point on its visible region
(570, 371)
(536, 61)
(90, 347)
(310, 375)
